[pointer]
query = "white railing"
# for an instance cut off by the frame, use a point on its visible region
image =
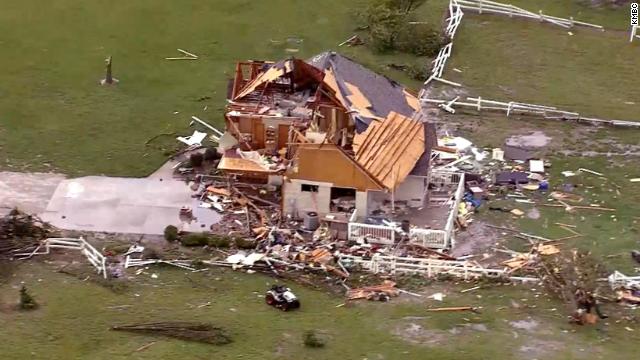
(94, 256)
(512, 107)
(436, 239)
(374, 234)
(453, 214)
(619, 280)
(446, 178)
(454, 19)
(425, 266)
(492, 7)
(132, 262)
(440, 61)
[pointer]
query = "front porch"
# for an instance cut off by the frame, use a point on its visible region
(430, 226)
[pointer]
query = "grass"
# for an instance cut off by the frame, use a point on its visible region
(591, 72)
(70, 324)
(55, 116)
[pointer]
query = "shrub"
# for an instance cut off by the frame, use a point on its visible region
(383, 23)
(417, 71)
(220, 241)
(312, 339)
(242, 243)
(27, 302)
(171, 233)
(196, 159)
(195, 239)
(419, 39)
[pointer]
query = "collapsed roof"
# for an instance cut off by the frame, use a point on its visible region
(371, 95)
(390, 149)
(367, 95)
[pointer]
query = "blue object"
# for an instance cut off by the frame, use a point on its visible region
(544, 185)
(468, 197)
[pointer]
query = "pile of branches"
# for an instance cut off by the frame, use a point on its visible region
(190, 331)
(569, 271)
(20, 232)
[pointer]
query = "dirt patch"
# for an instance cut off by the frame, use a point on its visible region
(536, 139)
(528, 325)
(416, 334)
(475, 240)
(539, 349)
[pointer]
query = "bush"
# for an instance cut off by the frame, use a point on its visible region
(419, 39)
(242, 243)
(195, 239)
(211, 154)
(171, 233)
(196, 159)
(27, 302)
(312, 339)
(383, 23)
(417, 71)
(220, 241)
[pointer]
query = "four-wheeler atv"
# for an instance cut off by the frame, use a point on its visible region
(282, 298)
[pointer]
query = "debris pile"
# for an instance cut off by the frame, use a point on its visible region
(21, 233)
(383, 292)
(199, 332)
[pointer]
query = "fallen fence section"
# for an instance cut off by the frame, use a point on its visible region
(131, 262)
(94, 256)
(619, 280)
(547, 112)
(453, 21)
(492, 7)
(426, 266)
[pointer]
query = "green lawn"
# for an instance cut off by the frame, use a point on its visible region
(53, 113)
(591, 72)
(72, 324)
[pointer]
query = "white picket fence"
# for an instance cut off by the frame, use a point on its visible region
(493, 7)
(425, 266)
(547, 112)
(93, 256)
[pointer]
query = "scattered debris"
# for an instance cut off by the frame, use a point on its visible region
(458, 308)
(383, 292)
(187, 56)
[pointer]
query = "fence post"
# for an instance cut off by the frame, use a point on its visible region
(480, 7)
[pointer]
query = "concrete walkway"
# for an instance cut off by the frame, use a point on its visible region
(106, 204)
(30, 192)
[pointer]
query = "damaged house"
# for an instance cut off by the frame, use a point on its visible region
(343, 142)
